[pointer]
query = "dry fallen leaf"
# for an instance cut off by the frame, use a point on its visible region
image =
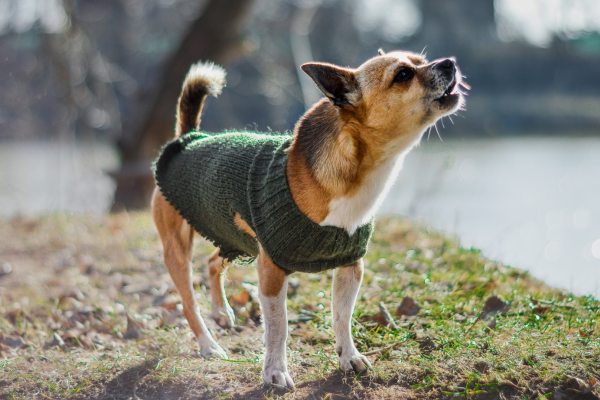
(17, 314)
(171, 305)
(582, 386)
(240, 300)
(540, 310)
(77, 337)
(428, 344)
(482, 367)
(408, 307)
(255, 313)
(537, 307)
(4, 350)
(530, 360)
(494, 306)
(73, 294)
(384, 318)
(252, 289)
(583, 333)
(171, 318)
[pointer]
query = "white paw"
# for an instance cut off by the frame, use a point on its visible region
(209, 348)
(352, 360)
(223, 316)
(278, 377)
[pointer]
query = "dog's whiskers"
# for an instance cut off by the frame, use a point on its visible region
(437, 130)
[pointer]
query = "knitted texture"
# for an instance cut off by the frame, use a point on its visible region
(209, 178)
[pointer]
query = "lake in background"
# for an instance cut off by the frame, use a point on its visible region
(532, 203)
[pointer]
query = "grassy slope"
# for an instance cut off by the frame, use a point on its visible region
(80, 276)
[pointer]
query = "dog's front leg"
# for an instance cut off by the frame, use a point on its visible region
(346, 282)
(272, 285)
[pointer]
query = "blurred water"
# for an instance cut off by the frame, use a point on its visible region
(532, 203)
(38, 176)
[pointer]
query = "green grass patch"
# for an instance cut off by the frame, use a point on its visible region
(77, 277)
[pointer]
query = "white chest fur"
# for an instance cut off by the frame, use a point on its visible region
(351, 212)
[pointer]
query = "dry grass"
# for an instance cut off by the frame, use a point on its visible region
(79, 277)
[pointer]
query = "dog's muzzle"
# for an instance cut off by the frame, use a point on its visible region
(445, 82)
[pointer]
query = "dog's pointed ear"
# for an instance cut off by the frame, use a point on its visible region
(338, 84)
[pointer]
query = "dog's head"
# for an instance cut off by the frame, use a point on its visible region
(394, 95)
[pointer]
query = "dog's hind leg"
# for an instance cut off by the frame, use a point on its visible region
(272, 287)
(221, 310)
(346, 282)
(177, 237)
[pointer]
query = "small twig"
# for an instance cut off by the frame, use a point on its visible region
(551, 303)
(384, 350)
(476, 321)
(384, 311)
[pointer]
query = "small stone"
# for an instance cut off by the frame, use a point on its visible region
(55, 341)
(5, 269)
(15, 342)
(133, 329)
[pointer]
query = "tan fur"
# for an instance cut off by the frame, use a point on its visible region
(387, 117)
(221, 311)
(346, 151)
(270, 276)
(243, 225)
(358, 273)
(177, 235)
(215, 271)
(310, 197)
(216, 266)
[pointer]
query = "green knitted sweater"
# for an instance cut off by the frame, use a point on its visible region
(208, 178)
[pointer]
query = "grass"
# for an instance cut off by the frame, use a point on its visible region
(80, 276)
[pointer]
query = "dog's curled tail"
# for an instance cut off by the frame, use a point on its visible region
(203, 79)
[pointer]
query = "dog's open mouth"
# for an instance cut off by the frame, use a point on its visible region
(450, 97)
(448, 92)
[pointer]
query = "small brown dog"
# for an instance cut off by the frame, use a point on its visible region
(344, 155)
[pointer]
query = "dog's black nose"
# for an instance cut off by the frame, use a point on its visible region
(447, 64)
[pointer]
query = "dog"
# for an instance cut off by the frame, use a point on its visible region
(343, 156)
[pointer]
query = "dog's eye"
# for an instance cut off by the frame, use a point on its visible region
(404, 75)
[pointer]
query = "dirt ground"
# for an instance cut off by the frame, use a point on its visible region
(87, 310)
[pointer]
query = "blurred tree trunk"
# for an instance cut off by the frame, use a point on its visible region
(214, 35)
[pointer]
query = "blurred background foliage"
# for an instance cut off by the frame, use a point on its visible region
(111, 69)
(89, 87)
(94, 67)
